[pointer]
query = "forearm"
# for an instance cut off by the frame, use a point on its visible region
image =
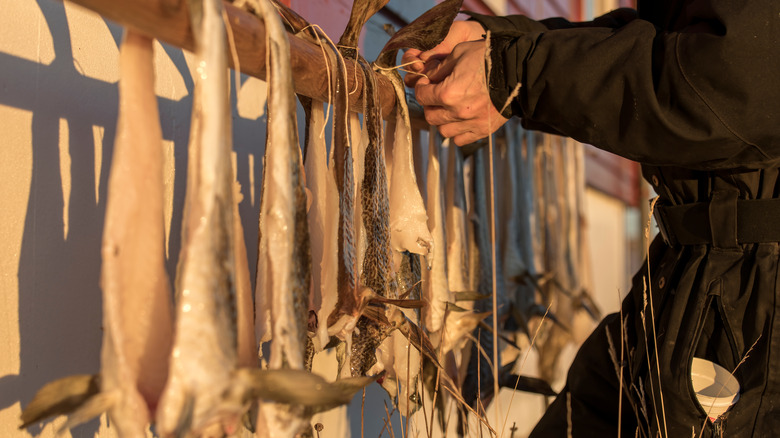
(651, 96)
(521, 23)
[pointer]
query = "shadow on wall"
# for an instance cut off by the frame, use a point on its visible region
(59, 273)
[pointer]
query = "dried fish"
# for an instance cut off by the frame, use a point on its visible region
(204, 353)
(348, 295)
(408, 218)
(137, 317)
(285, 246)
(479, 369)
(323, 225)
(436, 290)
(377, 273)
(456, 222)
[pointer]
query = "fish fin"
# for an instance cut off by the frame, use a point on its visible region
(541, 311)
(527, 384)
(469, 296)
(452, 307)
(60, 397)
(587, 303)
(500, 336)
(419, 339)
(185, 417)
(403, 303)
(424, 33)
(91, 408)
(249, 419)
(298, 387)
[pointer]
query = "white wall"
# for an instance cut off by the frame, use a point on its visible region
(58, 107)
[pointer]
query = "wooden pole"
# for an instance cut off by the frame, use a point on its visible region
(168, 21)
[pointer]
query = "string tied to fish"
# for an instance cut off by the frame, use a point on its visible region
(401, 68)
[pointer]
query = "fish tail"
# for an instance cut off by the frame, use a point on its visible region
(186, 415)
(60, 397)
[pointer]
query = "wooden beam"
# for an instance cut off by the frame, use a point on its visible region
(169, 21)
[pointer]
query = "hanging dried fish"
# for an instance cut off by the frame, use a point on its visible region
(408, 218)
(137, 325)
(436, 290)
(456, 222)
(377, 273)
(478, 384)
(323, 225)
(204, 355)
(285, 260)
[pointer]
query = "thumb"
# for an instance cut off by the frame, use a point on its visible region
(440, 69)
(411, 55)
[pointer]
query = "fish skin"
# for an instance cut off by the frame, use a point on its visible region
(471, 391)
(361, 11)
(348, 297)
(204, 354)
(136, 290)
(359, 136)
(522, 150)
(377, 265)
(509, 216)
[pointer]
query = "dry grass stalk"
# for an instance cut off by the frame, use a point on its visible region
(649, 292)
(522, 364)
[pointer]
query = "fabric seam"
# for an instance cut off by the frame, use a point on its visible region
(707, 103)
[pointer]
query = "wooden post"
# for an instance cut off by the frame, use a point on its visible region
(168, 21)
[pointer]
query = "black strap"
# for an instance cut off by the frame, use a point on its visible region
(757, 221)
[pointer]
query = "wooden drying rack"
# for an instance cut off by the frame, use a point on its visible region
(169, 21)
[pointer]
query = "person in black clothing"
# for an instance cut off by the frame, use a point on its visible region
(689, 89)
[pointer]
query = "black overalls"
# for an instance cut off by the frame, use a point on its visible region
(690, 89)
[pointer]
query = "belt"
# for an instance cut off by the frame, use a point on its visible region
(755, 221)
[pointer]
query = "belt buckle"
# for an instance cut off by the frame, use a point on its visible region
(660, 221)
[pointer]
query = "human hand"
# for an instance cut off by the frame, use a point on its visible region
(423, 62)
(455, 96)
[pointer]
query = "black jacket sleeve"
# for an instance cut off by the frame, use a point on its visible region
(705, 96)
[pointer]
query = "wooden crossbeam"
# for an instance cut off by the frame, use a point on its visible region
(168, 21)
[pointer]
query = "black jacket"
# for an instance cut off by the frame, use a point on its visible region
(691, 90)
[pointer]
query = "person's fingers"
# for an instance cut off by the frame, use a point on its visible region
(410, 56)
(411, 78)
(437, 70)
(442, 50)
(457, 130)
(467, 137)
(427, 94)
(471, 130)
(437, 115)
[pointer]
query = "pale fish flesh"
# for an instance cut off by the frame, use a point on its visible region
(456, 222)
(435, 288)
(137, 315)
(285, 236)
(323, 225)
(204, 353)
(408, 218)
